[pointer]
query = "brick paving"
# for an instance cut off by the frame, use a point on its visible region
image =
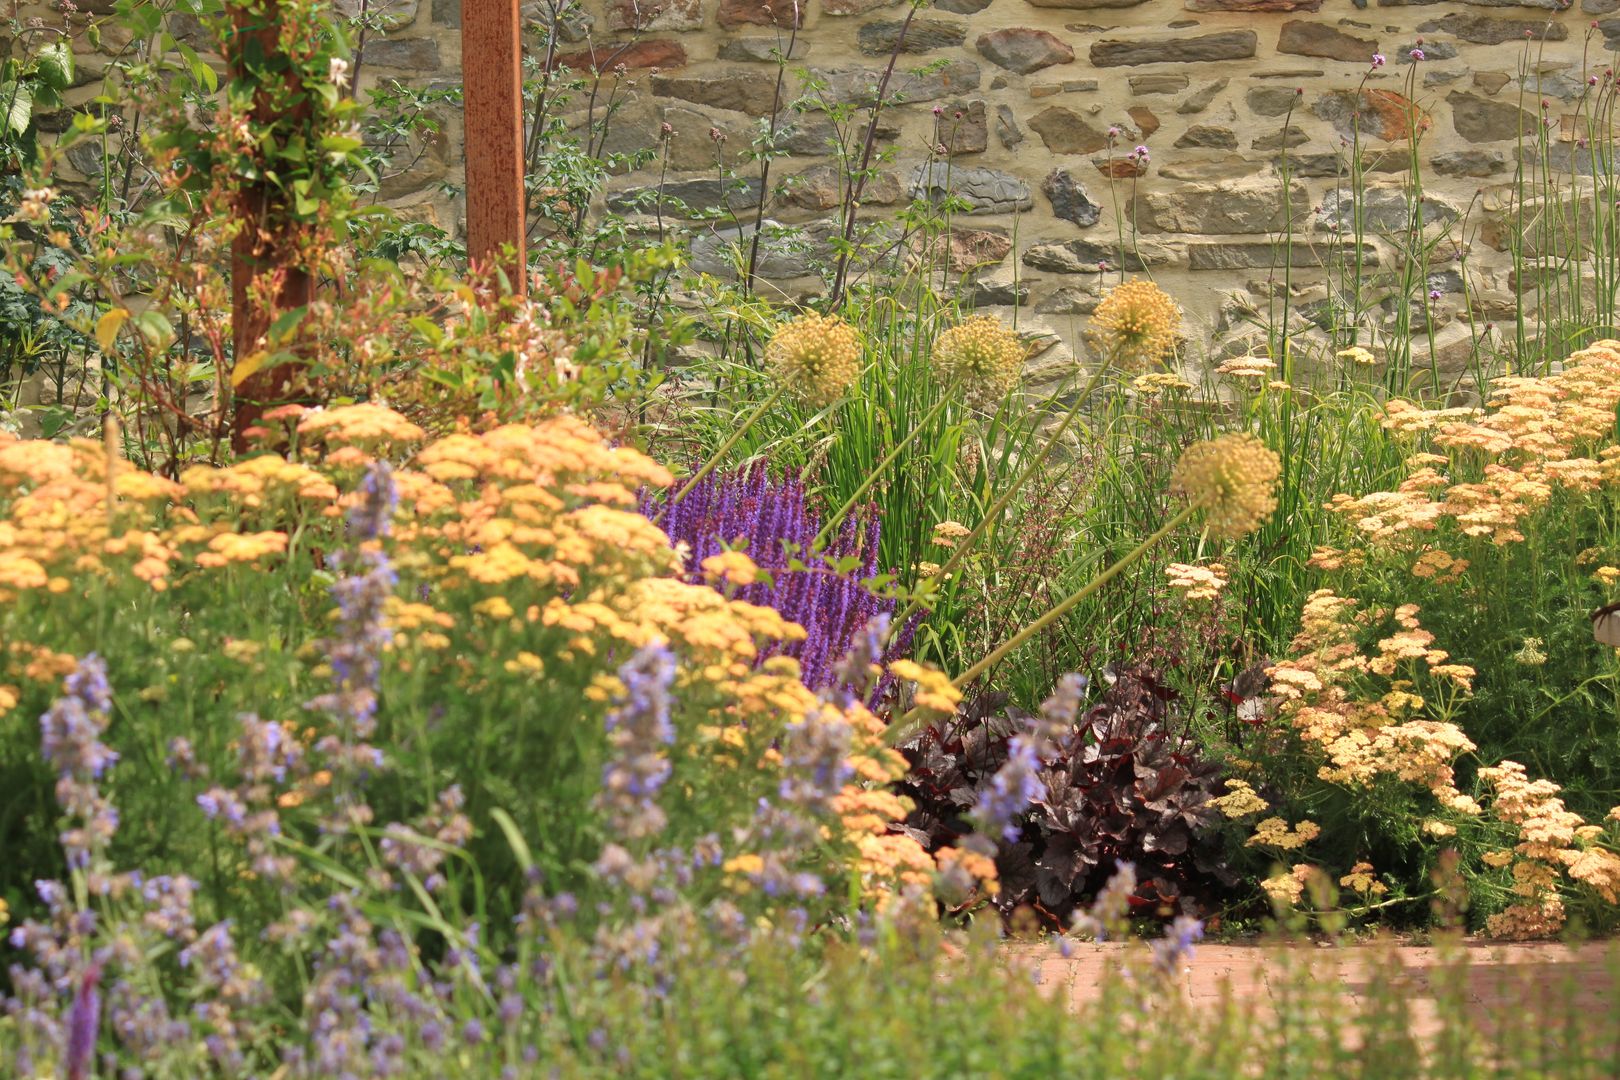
(1499, 977)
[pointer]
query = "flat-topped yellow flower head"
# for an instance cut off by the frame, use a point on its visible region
(816, 357)
(1233, 478)
(983, 354)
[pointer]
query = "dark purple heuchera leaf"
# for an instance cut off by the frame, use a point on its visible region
(1122, 786)
(772, 521)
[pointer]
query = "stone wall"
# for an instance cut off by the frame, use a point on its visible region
(1025, 92)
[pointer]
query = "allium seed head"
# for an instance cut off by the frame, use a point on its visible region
(815, 356)
(1136, 324)
(1234, 479)
(982, 353)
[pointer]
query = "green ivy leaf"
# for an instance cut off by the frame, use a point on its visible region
(18, 102)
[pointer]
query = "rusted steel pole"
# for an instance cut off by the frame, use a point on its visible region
(270, 242)
(492, 80)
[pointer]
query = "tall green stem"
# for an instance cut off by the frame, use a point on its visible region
(882, 467)
(994, 512)
(719, 455)
(902, 727)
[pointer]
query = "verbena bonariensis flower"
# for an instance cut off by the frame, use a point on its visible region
(70, 739)
(767, 518)
(639, 730)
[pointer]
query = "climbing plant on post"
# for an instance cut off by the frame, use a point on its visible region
(287, 145)
(492, 78)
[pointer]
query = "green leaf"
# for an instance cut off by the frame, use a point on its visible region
(55, 65)
(18, 102)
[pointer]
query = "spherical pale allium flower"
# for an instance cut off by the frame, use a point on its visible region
(1136, 324)
(1234, 479)
(815, 356)
(983, 354)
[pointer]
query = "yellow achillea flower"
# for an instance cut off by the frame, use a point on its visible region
(730, 566)
(947, 533)
(364, 422)
(1275, 833)
(1357, 355)
(1286, 889)
(1197, 582)
(983, 354)
(1155, 383)
(1233, 478)
(816, 357)
(1136, 324)
(1240, 800)
(934, 690)
(1360, 881)
(1247, 368)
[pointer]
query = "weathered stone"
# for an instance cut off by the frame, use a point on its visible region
(1432, 50)
(763, 49)
(646, 53)
(1553, 85)
(853, 7)
(1001, 287)
(568, 22)
(1252, 206)
(970, 249)
(405, 54)
(1282, 139)
(1021, 49)
(1263, 256)
(1091, 257)
(1008, 133)
(1304, 38)
(1120, 168)
(821, 187)
(734, 14)
(1145, 121)
(750, 92)
(1197, 103)
(858, 86)
(698, 195)
(1207, 48)
(961, 7)
(1491, 81)
(921, 36)
(963, 128)
(1069, 300)
(1069, 199)
(1480, 120)
(784, 253)
(1143, 85)
(1486, 30)
(691, 146)
(806, 135)
(1438, 77)
(1394, 159)
(1382, 209)
(1254, 5)
(1068, 86)
(1381, 114)
(1600, 7)
(1272, 100)
(447, 13)
(1065, 131)
(1207, 136)
(1578, 159)
(1204, 169)
(387, 14)
(654, 14)
(985, 191)
(1085, 5)
(1469, 162)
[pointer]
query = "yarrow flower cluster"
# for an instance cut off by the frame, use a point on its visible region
(1136, 325)
(816, 357)
(1233, 479)
(983, 355)
(1197, 582)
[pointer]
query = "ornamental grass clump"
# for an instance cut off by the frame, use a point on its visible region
(982, 355)
(1136, 325)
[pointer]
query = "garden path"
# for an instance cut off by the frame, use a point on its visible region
(1499, 976)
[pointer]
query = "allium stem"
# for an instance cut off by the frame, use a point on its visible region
(990, 515)
(882, 467)
(719, 455)
(1064, 606)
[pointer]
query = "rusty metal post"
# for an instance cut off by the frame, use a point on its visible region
(492, 109)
